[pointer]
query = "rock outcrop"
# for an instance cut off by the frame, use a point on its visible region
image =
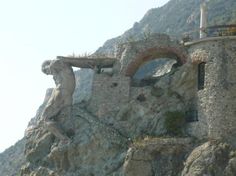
(157, 156)
(12, 159)
(122, 128)
(118, 128)
(97, 149)
(124, 142)
(211, 158)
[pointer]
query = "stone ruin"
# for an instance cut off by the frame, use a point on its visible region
(120, 129)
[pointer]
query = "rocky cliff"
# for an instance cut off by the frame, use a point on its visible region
(131, 141)
(145, 134)
(12, 159)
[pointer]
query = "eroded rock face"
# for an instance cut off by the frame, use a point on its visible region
(97, 149)
(12, 159)
(100, 144)
(157, 156)
(121, 131)
(212, 158)
(126, 143)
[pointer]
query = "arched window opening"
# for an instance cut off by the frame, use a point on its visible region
(151, 71)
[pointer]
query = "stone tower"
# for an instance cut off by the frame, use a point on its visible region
(215, 58)
(203, 18)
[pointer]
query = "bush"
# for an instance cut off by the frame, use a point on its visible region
(174, 123)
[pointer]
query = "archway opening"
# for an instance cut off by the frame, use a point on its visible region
(151, 71)
(151, 54)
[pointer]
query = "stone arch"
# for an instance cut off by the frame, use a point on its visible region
(155, 53)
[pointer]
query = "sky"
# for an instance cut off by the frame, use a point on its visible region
(32, 31)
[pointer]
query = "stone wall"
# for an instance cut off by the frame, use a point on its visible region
(133, 54)
(109, 93)
(217, 101)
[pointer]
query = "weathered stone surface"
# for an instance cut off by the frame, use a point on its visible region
(116, 115)
(199, 55)
(212, 158)
(140, 114)
(109, 118)
(217, 101)
(230, 169)
(134, 54)
(41, 171)
(97, 149)
(145, 116)
(12, 159)
(157, 156)
(109, 94)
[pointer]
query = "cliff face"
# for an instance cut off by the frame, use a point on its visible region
(115, 146)
(12, 159)
(142, 135)
(128, 129)
(120, 133)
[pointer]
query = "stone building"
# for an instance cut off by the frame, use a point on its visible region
(215, 59)
(214, 101)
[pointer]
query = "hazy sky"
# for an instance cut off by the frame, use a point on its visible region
(32, 31)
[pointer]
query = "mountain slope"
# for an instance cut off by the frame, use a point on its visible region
(175, 18)
(12, 159)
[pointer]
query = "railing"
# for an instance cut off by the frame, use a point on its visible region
(221, 30)
(211, 31)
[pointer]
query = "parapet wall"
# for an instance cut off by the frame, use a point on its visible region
(109, 93)
(217, 100)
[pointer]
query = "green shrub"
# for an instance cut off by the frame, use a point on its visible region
(174, 123)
